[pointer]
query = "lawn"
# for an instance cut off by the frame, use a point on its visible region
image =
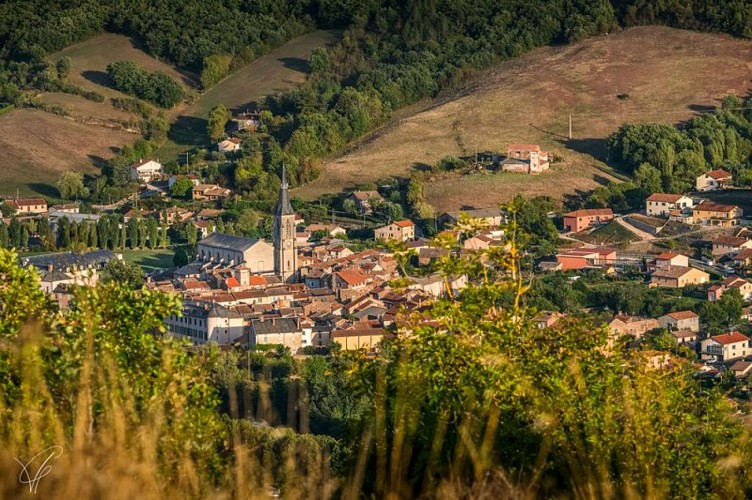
(669, 75)
(149, 260)
(612, 234)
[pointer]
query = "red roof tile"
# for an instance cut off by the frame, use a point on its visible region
(730, 338)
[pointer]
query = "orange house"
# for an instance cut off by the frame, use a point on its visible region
(581, 258)
(579, 220)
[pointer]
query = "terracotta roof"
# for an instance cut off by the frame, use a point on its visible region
(679, 315)
(352, 276)
(673, 271)
(744, 254)
(404, 223)
(718, 174)
(730, 338)
(587, 212)
(665, 197)
(709, 206)
(257, 281)
(21, 202)
(667, 255)
(232, 281)
(730, 241)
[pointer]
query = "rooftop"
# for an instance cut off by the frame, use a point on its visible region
(665, 197)
(589, 212)
(730, 338)
(228, 242)
(718, 174)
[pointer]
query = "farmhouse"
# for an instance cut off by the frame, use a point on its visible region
(67, 208)
(724, 245)
(525, 158)
(678, 277)
(203, 322)
(229, 145)
(581, 258)
(713, 180)
(401, 230)
(709, 213)
(725, 347)
(680, 320)
(668, 259)
(359, 338)
(211, 192)
(28, 205)
(365, 200)
(623, 324)
(146, 170)
(579, 220)
(662, 204)
(247, 121)
(743, 258)
(255, 254)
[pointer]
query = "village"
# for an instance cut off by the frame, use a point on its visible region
(313, 288)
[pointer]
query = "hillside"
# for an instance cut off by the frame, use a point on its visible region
(668, 75)
(37, 147)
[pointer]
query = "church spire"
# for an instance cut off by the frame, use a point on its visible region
(283, 203)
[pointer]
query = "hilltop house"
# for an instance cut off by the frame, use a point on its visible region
(492, 216)
(662, 204)
(247, 121)
(365, 200)
(401, 230)
(146, 170)
(622, 324)
(211, 192)
(709, 213)
(725, 347)
(525, 158)
(678, 277)
(713, 180)
(27, 205)
(229, 145)
(579, 220)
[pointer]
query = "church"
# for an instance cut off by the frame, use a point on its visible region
(260, 257)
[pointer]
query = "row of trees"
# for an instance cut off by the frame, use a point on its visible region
(156, 87)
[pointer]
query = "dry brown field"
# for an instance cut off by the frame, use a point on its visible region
(669, 75)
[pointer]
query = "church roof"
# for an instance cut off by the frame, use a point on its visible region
(228, 242)
(283, 203)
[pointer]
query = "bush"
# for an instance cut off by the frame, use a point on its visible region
(156, 87)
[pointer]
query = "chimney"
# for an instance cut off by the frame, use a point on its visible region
(50, 268)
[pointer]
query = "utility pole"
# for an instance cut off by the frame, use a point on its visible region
(570, 126)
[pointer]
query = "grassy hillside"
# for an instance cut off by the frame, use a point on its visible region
(661, 74)
(37, 147)
(279, 70)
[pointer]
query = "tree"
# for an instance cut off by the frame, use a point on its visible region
(648, 178)
(71, 185)
(14, 232)
(215, 67)
(153, 229)
(157, 128)
(63, 67)
(4, 238)
(124, 273)
(181, 257)
(319, 60)
(218, 118)
(247, 223)
(181, 188)
(191, 234)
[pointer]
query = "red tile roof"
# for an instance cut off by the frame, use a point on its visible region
(404, 223)
(667, 255)
(730, 338)
(709, 206)
(588, 212)
(665, 197)
(679, 315)
(232, 281)
(352, 276)
(718, 174)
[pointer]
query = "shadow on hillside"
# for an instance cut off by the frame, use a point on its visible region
(573, 201)
(189, 131)
(248, 107)
(97, 161)
(296, 64)
(603, 181)
(595, 147)
(44, 189)
(98, 78)
(701, 108)
(421, 167)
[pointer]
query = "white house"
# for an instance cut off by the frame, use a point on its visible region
(725, 347)
(145, 170)
(715, 179)
(662, 204)
(229, 145)
(203, 322)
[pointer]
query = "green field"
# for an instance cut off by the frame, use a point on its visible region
(612, 234)
(149, 260)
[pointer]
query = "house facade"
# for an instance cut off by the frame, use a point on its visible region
(581, 258)
(146, 170)
(525, 158)
(724, 245)
(678, 277)
(680, 320)
(277, 331)
(257, 255)
(28, 205)
(579, 220)
(211, 192)
(709, 213)
(204, 322)
(713, 180)
(662, 204)
(401, 230)
(726, 347)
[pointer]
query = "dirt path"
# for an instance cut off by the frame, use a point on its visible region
(637, 232)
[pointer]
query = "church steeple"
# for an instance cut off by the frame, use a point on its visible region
(285, 252)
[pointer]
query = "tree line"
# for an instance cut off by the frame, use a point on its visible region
(157, 87)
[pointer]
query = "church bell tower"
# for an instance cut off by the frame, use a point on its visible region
(285, 253)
